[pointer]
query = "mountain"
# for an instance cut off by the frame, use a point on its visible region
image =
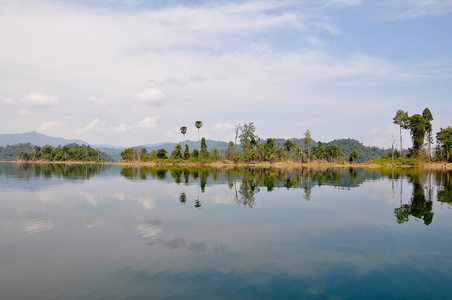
(35, 138)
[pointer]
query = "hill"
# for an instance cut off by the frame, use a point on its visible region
(365, 152)
(35, 138)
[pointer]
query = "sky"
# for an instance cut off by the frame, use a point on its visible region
(132, 72)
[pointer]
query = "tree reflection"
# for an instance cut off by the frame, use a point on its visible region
(246, 183)
(74, 171)
(444, 188)
(182, 198)
(418, 207)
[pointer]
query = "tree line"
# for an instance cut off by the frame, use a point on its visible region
(69, 152)
(250, 149)
(421, 130)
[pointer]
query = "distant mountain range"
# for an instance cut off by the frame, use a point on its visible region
(35, 138)
(38, 139)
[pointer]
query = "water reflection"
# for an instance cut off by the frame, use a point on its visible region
(47, 171)
(419, 206)
(247, 182)
(162, 231)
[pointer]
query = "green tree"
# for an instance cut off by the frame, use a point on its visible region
(215, 155)
(401, 118)
(161, 154)
(177, 152)
(354, 156)
(129, 154)
(198, 125)
(204, 152)
(143, 154)
(186, 152)
(194, 153)
(320, 151)
(428, 130)
(334, 152)
(308, 143)
(248, 138)
(444, 140)
(230, 150)
(183, 130)
(288, 146)
(296, 149)
(417, 128)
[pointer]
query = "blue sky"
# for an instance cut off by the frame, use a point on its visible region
(133, 72)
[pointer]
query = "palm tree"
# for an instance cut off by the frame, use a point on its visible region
(183, 130)
(198, 124)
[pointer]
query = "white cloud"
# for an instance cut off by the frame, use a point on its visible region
(148, 122)
(97, 101)
(47, 125)
(94, 124)
(150, 96)
(120, 128)
(37, 99)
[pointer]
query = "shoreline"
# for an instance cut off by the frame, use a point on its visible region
(426, 166)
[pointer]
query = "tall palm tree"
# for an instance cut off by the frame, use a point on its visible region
(183, 130)
(198, 124)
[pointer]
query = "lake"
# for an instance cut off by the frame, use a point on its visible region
(112, 232)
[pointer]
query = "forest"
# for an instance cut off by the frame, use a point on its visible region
(69, 152)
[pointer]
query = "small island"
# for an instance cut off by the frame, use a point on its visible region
(249, 149)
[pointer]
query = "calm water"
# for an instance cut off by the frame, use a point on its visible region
(106, 232)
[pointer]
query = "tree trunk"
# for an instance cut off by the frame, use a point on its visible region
(401, 153)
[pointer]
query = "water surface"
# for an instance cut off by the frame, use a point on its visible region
(106, 232)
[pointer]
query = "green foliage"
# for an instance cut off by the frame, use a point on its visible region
(177, 153)
(399, 161)
(198, 125)
(334, 152)
(308, 144)
(70, 152)
(353, 156)
(186, 152)
(444, 141)
(401, 118)
(427, 115)
(204, 152)
(129, 154)
(347, 145)
(248, 138)
(15, 151)
(161, 154)
(216, 155)
(195, 154)
(183, 130)
(417, 128)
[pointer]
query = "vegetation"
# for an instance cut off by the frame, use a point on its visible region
(13, 152)
(421, 130)
(444, 143)
(70, 152)
(401, 118)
